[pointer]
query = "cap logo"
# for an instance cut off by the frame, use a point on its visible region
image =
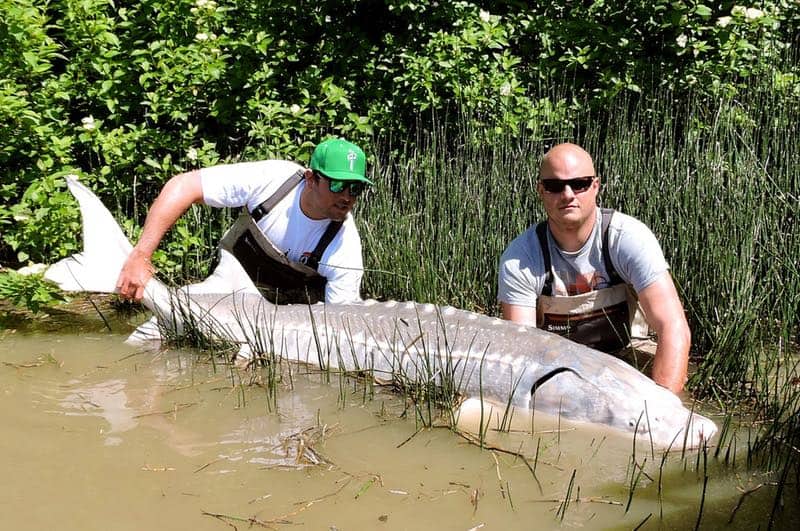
(351, 156)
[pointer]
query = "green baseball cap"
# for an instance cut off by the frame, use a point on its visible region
(339, 159)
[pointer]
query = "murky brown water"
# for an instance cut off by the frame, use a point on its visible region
(97, 435)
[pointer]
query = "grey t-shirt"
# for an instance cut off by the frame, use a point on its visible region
(633, 249)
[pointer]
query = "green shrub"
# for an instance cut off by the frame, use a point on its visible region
(28, 291)
(129, 93)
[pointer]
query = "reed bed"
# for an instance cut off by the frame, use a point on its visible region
(718, 184)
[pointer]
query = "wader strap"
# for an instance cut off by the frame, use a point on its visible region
(312, 260)
(541, 233)
(279, 279)
(263, 209)
(613, 276)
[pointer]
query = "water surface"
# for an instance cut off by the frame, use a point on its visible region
(98, 435)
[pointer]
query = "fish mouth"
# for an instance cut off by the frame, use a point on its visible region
(701, 430)
(695, 433)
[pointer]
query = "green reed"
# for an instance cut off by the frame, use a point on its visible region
(184, 328)
(562, 509)
(439, 218)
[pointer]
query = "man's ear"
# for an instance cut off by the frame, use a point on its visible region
(309, 176)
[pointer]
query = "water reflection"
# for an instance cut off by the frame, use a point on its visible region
(157, 397)
(107, 400)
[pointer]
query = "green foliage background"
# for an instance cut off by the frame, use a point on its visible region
(129, 93)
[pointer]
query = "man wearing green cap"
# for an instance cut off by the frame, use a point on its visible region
(295, 241)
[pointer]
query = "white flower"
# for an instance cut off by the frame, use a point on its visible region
(32, 269)
(723, 21)
(88, 123)
(752, 13)
(208, 5)
(681, 40)
(485, 15)
(191, 154)
(505, 89)
(295, 108)
(201, 36)
(737, 11)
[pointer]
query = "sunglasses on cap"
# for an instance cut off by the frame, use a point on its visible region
(338, 186)
(576, 184)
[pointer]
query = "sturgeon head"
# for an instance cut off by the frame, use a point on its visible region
(620, 397)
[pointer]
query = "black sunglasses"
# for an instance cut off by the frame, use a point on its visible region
(577, 184)
(338, 186)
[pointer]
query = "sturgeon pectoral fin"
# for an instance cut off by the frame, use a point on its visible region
(245, 352)
(147, 334)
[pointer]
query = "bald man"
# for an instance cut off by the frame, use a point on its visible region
(585, 272)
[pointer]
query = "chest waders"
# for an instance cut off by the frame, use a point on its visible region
(600, 319)
(279, 280)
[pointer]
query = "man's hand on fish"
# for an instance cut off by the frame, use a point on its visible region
(135, 274)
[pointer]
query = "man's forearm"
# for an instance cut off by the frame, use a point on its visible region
(671, 363)
(664, 313)
(175, 198)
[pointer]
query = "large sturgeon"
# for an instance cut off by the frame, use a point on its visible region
(499, 361)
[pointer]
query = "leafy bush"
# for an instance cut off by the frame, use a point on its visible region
(28, 291)
(129, 93)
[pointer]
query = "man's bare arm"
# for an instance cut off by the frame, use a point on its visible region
(664, 312)
(525, 315)
(175, 198)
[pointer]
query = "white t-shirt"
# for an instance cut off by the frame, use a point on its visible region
(287, 227)
(633, 249)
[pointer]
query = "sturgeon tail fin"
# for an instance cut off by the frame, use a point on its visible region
(105, 248)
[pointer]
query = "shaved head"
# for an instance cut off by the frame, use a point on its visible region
(570, 211)
(566, 161)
